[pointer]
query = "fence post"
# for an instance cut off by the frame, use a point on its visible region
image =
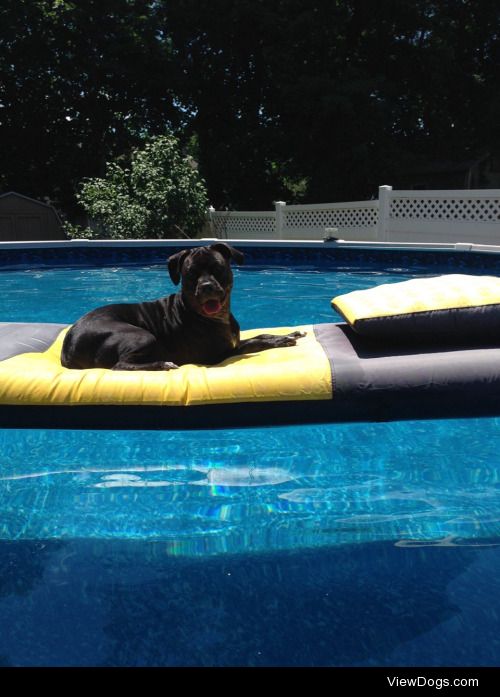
(211, 211)
(384, 209)
(280, 218)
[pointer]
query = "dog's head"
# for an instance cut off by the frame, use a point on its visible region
(206, 276)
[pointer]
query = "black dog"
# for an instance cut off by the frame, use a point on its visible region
(192, 326)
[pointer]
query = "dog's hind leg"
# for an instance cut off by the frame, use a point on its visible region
(138, 349)
(156, 365)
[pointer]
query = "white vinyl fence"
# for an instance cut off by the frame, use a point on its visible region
(470, 215)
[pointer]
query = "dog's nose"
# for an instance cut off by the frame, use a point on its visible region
(207, 286)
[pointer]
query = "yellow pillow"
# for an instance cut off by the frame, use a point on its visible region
(455, 306)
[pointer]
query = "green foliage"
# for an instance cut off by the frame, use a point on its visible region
(80, 81)
(292, 100)
(158, 195)
(340, 95)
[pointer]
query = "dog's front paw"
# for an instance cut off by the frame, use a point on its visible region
(283, 341)
(291, 339)
(169, 366)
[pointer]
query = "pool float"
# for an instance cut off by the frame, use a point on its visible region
(425, 348)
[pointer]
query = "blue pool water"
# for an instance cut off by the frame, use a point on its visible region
(338, 545)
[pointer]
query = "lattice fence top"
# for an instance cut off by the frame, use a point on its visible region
(338, 217)
(226, 225)
(457, 209)
(397, 215)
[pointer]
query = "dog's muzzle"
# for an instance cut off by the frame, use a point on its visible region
(211, 297)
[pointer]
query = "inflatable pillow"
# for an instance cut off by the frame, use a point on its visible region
(455, 306)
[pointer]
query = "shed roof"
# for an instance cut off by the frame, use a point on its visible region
(31, 200)
(25, 198)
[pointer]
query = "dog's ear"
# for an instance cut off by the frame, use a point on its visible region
(228, 252)
(174, 264)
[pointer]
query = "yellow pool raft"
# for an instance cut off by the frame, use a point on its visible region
(425, 348)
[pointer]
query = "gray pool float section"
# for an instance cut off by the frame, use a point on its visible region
(24, 337)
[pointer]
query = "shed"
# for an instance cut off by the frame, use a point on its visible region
(26, 219)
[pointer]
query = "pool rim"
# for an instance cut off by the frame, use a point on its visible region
(252, 243)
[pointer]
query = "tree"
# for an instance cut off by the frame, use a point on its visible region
(79, 83)
(292, 99)
(158, 194)
(337, 96)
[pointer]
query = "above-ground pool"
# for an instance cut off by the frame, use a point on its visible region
(363, 544)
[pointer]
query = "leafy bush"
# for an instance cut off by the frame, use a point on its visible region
(159, 195)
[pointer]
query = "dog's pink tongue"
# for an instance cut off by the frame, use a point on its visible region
(211, 307)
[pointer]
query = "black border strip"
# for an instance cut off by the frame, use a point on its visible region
(368, 407)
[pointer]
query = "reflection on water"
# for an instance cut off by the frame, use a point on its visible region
(449, 541)
(207, 493)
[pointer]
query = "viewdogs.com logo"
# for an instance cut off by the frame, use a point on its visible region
(437, 683)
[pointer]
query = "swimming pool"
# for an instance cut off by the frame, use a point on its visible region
(375, 544)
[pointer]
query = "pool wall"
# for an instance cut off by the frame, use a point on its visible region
(257, 252)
